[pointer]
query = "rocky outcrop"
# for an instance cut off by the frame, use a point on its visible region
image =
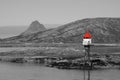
(34, 27)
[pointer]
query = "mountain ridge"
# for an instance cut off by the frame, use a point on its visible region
(103, 30)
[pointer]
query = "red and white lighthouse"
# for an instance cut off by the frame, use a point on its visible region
(87, 38)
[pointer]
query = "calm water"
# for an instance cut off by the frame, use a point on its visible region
(15, 71)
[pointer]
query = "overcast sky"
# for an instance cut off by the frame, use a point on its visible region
(23, 12)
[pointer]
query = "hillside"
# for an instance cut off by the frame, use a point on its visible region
(103, 30)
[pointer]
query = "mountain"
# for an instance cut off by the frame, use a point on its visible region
(103, 30)
(34, 27)
(9, 31)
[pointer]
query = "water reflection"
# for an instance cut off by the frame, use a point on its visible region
(15, 71)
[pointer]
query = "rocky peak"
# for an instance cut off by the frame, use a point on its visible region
(34, 27)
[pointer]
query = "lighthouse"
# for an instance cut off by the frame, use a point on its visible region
(87, 39)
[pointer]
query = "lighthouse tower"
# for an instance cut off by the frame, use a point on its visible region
(87, 39)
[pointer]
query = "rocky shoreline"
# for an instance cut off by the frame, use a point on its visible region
(97, 62)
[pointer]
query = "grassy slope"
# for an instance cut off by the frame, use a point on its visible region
(61, 50)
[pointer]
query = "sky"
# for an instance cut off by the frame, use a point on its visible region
(23, 12)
